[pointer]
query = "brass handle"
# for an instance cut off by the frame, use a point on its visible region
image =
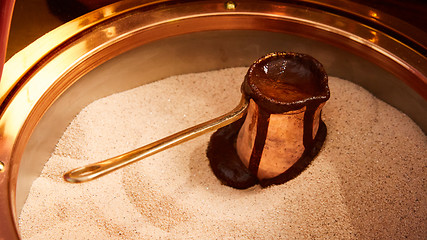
(95, 170)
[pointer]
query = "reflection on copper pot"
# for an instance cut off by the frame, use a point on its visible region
(282, 131)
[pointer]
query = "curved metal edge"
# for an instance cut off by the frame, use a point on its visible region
(25, 59)
(35, 53)
(26, 65)
(398, 29)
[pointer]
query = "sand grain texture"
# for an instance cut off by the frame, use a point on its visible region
(368, 181)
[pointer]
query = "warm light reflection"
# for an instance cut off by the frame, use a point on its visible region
(23, 102)
(22, 61)
(11, 121)
(230, 5)
(110, 32)
(374, 38)
(108, 11)
(373, 14)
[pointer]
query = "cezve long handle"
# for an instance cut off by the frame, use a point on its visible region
(95, 170)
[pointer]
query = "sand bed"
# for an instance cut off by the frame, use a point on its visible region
(368, 181)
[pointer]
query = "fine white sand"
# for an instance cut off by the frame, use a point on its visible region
(368, 181)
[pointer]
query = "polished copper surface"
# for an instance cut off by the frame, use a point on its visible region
(287, 92)
(283, 144)
(35, 77)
